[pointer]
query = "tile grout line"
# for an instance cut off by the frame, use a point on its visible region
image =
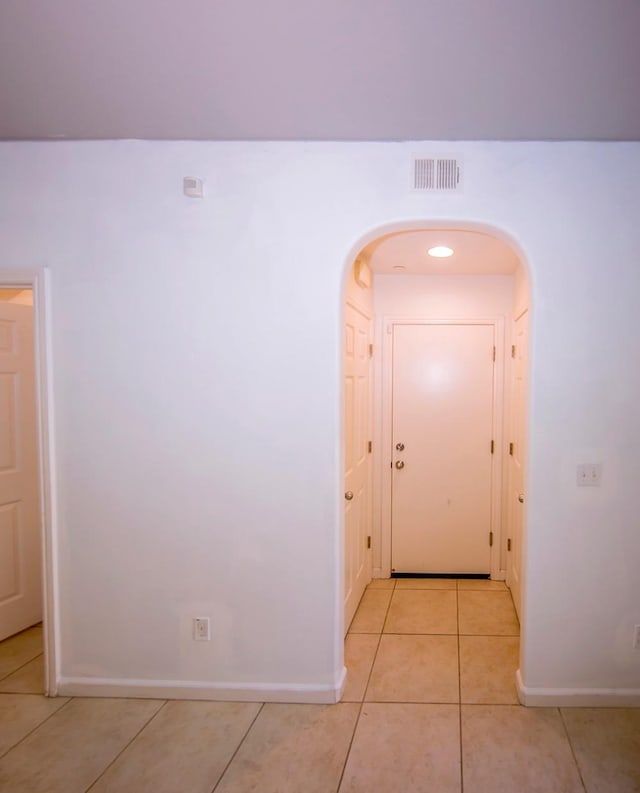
(22, 666)
(237, 749)
(459, 689)
(126, 746)
(375, 655)
(364, 694)
(386, 614)
(353, 736)
(437, 633)
(37, 727)
(573, 754)
(406, 701)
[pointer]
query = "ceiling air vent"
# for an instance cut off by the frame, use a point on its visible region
(437, 174)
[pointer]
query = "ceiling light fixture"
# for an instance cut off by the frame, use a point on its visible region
(440, 252)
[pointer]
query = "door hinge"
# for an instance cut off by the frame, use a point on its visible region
(492, 446)
(490, 539)
(370, 446)
(509, 544)
(494, 352)
(511, 449)
(513, 350)
(371, 351)
(369, 541)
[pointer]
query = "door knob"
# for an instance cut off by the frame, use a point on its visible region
(400, 447)
(399, 465)
(348, 495)
(521, 498)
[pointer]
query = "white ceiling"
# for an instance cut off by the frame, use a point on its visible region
(474, 254)
(320, 69)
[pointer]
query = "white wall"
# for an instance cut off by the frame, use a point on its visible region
(197, 356)
(437, 297)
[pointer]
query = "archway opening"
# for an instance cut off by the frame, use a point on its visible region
(402, 504)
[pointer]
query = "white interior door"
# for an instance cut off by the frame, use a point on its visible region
(357, 562)
(442, 421)
(20, 558)
(517, 455)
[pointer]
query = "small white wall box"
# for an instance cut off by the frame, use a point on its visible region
(192, 186)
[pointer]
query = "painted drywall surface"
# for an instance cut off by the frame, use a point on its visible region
(436, 297)
(21, 296)
(520, 291)
(444, 296)
(197, 349)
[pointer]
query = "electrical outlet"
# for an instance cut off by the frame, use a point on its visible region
(589, 475)
(201, 629)
(636, 638)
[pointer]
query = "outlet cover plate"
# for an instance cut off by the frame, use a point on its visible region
(201, 629)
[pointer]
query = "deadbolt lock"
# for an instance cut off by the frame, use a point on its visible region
(400, 447)
(348, 495)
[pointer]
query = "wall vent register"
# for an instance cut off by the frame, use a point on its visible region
(437, 174)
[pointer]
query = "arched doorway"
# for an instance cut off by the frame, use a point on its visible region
(393, 285)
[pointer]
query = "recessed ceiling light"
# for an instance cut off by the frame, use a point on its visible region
(440, 252)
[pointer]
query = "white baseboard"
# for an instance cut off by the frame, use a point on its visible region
(577, 697)
(218, 692)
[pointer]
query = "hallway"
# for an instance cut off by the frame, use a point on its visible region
(429, 705)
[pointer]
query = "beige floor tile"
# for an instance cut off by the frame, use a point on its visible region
(488, 669)
(415, 669)
(29, 679)
(293, 748)
(185, 748)
(426, 583)
(516, 750)
(22, 713)
(408, 748)
(487, 614)
(606, 742)
(370, 614)
(422, 611)
(73, 747)
(359, 652)
(471, 584)
(19, 650)
(382, 583)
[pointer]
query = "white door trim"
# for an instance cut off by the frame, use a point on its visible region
(38, 281)
(384, 421)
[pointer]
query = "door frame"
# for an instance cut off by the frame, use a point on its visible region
(385, 420)
(39, 282)
(509, 467)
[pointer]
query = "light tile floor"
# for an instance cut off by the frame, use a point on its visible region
(429, 705)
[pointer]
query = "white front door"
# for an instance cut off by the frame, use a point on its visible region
(518, 442)
(20, 558)
(443, 392)
(357, 389)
